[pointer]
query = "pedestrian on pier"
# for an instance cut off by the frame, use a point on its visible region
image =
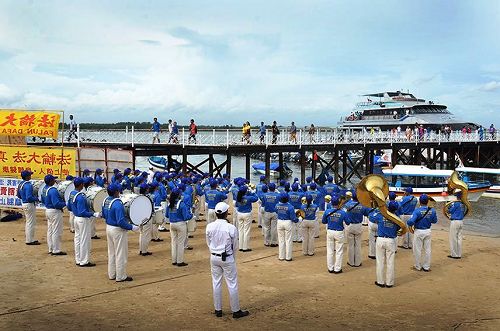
(275, 131)
(193, 130)
(170, 128)
(175, 133)
(293, 133)
(72, 128)
(312, 132)
(262, 132)
(492, 131)
(156, 128)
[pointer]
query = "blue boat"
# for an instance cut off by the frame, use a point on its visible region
(161, 163)
(274, 167)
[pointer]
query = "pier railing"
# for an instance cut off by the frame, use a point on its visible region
(229, 137)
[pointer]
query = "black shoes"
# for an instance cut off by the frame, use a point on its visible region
(95, 237)
(128, 279)
(288, 260)
(59, 253)
(451, 257)
(33, 243)
(189, 248)
(354, 266)
(157, 240)
(87, 265)
(379, 285)
(163, 230)
(246, 250)
(372, 257)
(240, 313)
(426, 270)
(218, 313)
(182, 264)
(145, 254)
(175, 263)
(337, 272)
(274, 245)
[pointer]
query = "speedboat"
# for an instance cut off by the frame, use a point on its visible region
(274, 167)
(490, 174)
(429, 181)
(161, 163)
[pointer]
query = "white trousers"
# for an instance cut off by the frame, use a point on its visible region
(372, 236)
(145, 235)
(407, 238)
(227, 269)
(456, 238)
(235, 214)
(259, 213)
(197, 210)
(211, 217)
(30, 215)
(117, 252)
(386, 249)
(316, 229)
(83, 243)
(353, 232)
(334, 246)
(178, 233)
(244, 226)
(270, 228)
(71, 219)
(285, 242)
(308, 230)
(54, 229)
(92, 227)
(422, 246)
(365, 220)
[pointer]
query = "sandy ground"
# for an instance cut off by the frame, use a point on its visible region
(42, 292)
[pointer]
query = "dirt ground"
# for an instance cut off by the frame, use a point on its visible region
(43, 292)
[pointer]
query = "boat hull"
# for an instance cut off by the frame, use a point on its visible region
(493, 192)
(439, 194)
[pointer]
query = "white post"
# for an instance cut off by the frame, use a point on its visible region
(78, 134)
(132, 136)
(300, 138)
(335, 137)
(227, 138)
(267, 138)
(126, 134)
(213, 137)
(183, 138)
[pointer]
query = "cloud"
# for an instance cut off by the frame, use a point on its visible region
(490, 87)
(6, 93)
(150, 42)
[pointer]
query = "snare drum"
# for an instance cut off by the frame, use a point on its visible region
(138, 208)
(38, 186)
(191, 225)
(65, 189)
(95, 197)
(158, 215)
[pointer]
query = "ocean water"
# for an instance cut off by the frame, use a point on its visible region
(484, 218)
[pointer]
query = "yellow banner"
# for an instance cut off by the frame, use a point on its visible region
(41, 161)
(29, 123)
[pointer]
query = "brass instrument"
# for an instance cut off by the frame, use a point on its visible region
(328, 198)
(455, 183)
(251, 186)
(373, 190)
(303, 200)
(300, 213)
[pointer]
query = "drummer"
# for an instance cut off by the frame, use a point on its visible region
(100, 180)
(87, 182)
(25, 193)
(146, 230)
(71, 217)
(155, 196)
(54, 205)
(86, 173)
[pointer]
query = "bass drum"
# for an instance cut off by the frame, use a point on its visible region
(65, 189)
(138, 208)
(95, 197)
(38, 186)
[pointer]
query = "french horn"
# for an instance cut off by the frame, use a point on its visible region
(455, 183)
(372, 191)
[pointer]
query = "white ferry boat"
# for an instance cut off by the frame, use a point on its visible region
(489, 174)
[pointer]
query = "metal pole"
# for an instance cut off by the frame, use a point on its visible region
(78, 134)
(227, 138)
(213, 137)
(132, 136)
(126, 134)
(300, 138)
(183, 139)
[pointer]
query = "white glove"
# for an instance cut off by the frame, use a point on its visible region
(97, 214)
(300, 219)
(135, 228)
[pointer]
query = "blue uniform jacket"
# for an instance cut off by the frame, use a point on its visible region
(245, 205)
(52, 199)
(114, 213)
(127, 185)
(310, 212)
(295, 198)
(387, 229)
(157, 198)
(407, 205)
(375, 216)
(419, 221)
(355, 211)
(286, 212)
(187, 198)
(179, 213)
(69, 204)
(457, 211)
(398, 211)
(330, 189)
(80, 207)
(156, 126)
(270, 199)
(100, 180)
(335, 218)
(26, 192)
(213, 197)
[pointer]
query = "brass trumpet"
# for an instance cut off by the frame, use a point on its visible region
(455, 183)
(373, 190)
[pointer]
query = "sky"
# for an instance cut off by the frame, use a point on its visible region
(225, 62)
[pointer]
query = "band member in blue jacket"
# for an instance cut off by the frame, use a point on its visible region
(178, 214)
(269, 201)
(295, 199)
(25, 193)
(100, 180)
(374, 217)
(117, 226)
(286, 215)
(457, 214)
(54, 205)
(386, 248)
(422, 219)
(213, 197)
(244, 201)
(335, 219)
(406, 209)
(355, 211)
(309, 224)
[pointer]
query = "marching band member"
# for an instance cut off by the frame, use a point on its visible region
(374, 217)
(156, 197)
(115, 172)
(100, 180)
(355, 212)
(222, 239)
(295, 199)
(386, 248)
(270, 199)
(83, 224)
(261, 210)
(126, 184)
(200, 194)
(286, 215)
(422, 218)
(71, 217)
(178, 214)
(187, 198)
(244, 202)
(406, 209)
(258, 191)
(335, 219)
(117, 226)
(316, 196)
(25, 193)
(309, 225)
(330, 188)
(213, 197)
(234, 194)
(145, 231)
(86, 173)
(54, 205)
(457, 214)
(87, 182)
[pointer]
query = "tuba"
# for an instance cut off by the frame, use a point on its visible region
(455, 183)
(372, 191)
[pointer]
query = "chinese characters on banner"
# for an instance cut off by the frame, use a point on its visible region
(29, 123)
(41, 161)
(8, 192)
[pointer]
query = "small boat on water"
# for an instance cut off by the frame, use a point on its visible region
(429, 181)
(489, 174)
(260, 168)
(161, 163)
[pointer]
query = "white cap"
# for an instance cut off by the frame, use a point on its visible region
(221, 207)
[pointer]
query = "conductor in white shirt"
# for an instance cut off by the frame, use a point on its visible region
(222, 238)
